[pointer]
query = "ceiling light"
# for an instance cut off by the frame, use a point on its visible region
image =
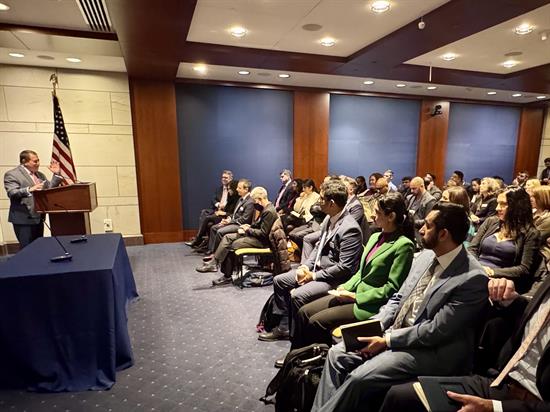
(368, 82)
(524, 28)
(517, 95)
(4, 7)
(400, 85)
(380, 6)
(544, 36)
(244, 72)
(449, 56)
(238, 31)
(327, 41)
(541, 97)
(284, 76)
(18, 55)
(491, 93)
(510, 63)
(431, 87)
(73, 59)
(312, 27)
(200, 68)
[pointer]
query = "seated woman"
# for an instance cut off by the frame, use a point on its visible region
(507, 244)
(487, 201)
(459, 195)
(385, 263)
(540, 200)
(475, 183)
(530, 185)
(301, 215)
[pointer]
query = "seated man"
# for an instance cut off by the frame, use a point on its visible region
(333, 260)
(524, 380)
(224, 202)
(243, 214)
(419, 203)
(429, 324)
(255, 235)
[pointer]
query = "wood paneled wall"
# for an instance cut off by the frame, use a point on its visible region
(529, 139)
(432, 140)
(157, 160)
(311, 128)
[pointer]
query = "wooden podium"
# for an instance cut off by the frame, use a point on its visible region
(69, 207)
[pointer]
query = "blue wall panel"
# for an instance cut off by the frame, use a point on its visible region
(248, 131)
(372, 134)
(482, 140)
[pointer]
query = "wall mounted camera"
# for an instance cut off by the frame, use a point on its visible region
(421, 24)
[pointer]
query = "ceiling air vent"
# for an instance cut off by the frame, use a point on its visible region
(95, 14)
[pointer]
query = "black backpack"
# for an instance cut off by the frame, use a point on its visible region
(296, 383)
(267, 319)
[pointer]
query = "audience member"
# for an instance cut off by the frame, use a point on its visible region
(545, 174)
(385, 263)
(255, 235)
(523, 383)
(243, 214)
(361, 186)
(333, 260)
(224, 200)
(459, 196)
(20, 183)
(474, 184)
(429, 183)
(355, 208)
(506, 245)
(430, 323)
(285, 193)
(486, 204)
(419, 202)
(301, 215)
(404, 187)
(388, 175)
(521, 178)
(540, 198)
(529, 186)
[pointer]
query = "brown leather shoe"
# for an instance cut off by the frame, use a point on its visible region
(274, 335)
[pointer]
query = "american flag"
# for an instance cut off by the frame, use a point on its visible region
(61, 151)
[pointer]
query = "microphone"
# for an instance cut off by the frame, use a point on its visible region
(60, 258)
(80, 239)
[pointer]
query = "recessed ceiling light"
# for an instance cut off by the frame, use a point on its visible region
(200, 68)
(400, 85)
(510, 63)
(238, 31)
(284, 75)
(491, 93)
(431, 87)
(244, 72)
(517, 95)
(449, 56)
(327, 41)
(45, 57)
(4, 7)
(18, 55)
(524, 28)
(73, 59)
(541, 97)
(380, 6)
(368, 82)
(312, 27)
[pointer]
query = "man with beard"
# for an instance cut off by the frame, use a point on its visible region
(429, 324)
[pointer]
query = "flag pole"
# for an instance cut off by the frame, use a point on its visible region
(53, 81)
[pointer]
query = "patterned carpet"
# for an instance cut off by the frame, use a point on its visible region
(195, 347)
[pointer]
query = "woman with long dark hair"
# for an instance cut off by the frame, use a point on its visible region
(507, 244)
(385, 263)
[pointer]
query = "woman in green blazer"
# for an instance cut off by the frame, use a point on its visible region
(385, 264)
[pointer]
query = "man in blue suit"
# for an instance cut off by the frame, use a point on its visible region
(429, 324)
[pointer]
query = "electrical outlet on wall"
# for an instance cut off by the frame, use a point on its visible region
(108, 225)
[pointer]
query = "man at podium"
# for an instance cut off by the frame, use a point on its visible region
(20, 183)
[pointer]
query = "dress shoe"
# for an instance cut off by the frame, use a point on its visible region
(275, 334)
(208, 267)
(221, 281)
(208, 258)
(279, 363)
(191, 243)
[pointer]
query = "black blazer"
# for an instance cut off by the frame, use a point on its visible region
(244, 212)
(286, 202)
(232, 197)
(487, 207)
(261, 228)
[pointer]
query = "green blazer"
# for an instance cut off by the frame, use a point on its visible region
(381, 276)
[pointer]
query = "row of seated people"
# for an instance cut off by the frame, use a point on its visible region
(301, 297)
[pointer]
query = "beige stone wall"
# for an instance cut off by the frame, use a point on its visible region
(96, 110)
(545, 144)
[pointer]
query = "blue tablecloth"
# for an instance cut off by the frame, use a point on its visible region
(63, 326)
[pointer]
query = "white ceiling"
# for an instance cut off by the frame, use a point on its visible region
(277, 24)
(485, 51)
(268, 78)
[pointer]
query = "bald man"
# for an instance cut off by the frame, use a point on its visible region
(419, 202)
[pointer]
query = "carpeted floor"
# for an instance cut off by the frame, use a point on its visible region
(195, 347)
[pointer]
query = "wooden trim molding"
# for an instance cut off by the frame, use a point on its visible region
(529, 138)
(154, 121)
(432, 140)
(311, 129)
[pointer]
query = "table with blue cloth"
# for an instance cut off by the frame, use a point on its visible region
(63, 325)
